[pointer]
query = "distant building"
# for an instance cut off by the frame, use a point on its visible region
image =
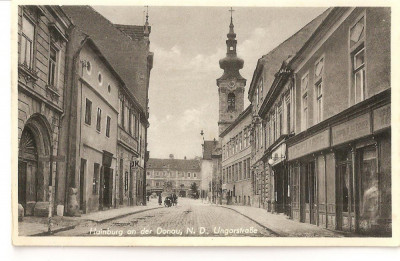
(211, 180)
(172, 176)
(237, 182)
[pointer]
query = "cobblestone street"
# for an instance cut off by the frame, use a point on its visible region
(189, 218)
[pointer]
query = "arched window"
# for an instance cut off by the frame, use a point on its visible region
(231, 101)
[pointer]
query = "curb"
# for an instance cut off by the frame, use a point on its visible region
(255, 221)
(53, 231)
(121, 216)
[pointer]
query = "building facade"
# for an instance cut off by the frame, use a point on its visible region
(173, 176)
(42, 41)
(126, 49)
(340, 156)
(271, 112)
(237, 183)
(211, 180)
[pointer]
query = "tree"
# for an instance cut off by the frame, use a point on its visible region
(194, 190)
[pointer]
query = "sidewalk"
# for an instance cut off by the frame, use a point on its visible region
(38, 226)
(281, 224)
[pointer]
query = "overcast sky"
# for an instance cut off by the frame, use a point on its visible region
(187, 43)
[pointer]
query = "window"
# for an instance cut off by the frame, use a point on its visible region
(319, 67)
(28, 32)
(261, 89)
(98, 123)
(100, 78)
(248, 167)
(240, 171)
(88, 67)
(96, 174)
(126, 117)
(194, 175)
(126, 181)
(188, 175)
(244, 170)
(304, 112)
(240, 141)
(231, 101)
(88, 112)
(52, 77)
(130, 122)
(318, 91)
(359, 76)
(121, 112)
(108, 126)
(109, 88)
(304, 102)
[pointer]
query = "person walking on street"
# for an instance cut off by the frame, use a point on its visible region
(159, 199)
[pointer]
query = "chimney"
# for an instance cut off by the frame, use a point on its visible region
(171, 156)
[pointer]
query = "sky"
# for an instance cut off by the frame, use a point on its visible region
(188, 43)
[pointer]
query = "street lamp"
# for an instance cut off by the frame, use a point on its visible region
(275, 158)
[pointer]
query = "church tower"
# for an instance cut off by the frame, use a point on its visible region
(231, 84)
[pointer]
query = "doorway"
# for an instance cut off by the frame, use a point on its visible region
(310, 198)
(82, 185)
(27, 170)
(107, 187)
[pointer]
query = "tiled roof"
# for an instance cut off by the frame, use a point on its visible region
(273, 60)
(136, 32)
(208, 149)
(116, 46)
(174, 164)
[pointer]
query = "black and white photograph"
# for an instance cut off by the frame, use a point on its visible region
(135, 123)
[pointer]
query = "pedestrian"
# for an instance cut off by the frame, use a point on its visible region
(159, 199)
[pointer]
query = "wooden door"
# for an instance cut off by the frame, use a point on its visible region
(22, 166)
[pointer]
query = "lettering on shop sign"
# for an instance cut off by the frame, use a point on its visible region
(315, 143)
(128, 140)
(382, 117)
(352, 129)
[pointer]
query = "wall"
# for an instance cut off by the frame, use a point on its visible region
(337, 79)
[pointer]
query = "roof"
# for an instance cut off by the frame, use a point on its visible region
(173, 164)
(135, 32)
(237, 120)
(116, 46)
(270, 63)
(210, 149)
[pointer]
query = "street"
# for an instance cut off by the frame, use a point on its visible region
(189, 218)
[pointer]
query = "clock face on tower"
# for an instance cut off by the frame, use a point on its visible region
(232, 83)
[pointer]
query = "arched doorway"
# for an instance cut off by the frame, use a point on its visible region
(34, 163)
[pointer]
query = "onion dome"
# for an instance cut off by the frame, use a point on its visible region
(231, 64)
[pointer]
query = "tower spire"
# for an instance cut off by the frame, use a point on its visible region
(146, 24)
(231, 26)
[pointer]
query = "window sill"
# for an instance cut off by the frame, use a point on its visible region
(28, 73)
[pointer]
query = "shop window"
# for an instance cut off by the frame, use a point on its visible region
(369, 209)
(88, 112)
(27, 38)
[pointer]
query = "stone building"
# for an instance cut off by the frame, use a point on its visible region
(173, 176)
(340, 156)
(42, 40)
(236, 152)
(126, 48)
(271, 95)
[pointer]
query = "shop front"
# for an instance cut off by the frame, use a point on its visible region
(340, 175)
